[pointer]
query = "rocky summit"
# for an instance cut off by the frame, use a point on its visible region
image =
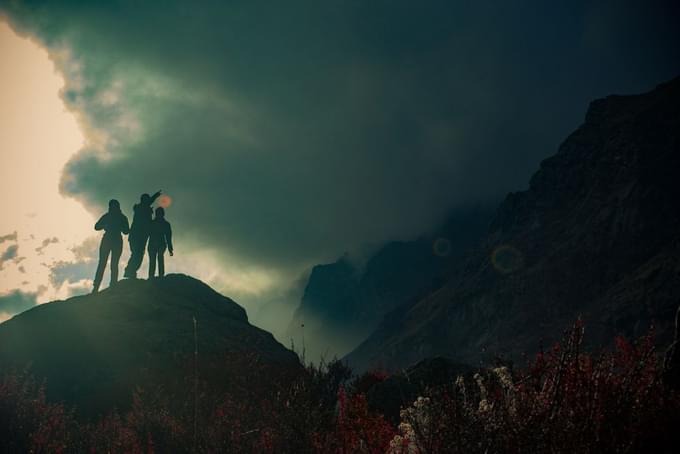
(94, 350)
(596, 236)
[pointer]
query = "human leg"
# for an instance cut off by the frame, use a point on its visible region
(137, 246)
(130, 264)
(152, 261)
(104, 249)
(161, 262)
(116, 250)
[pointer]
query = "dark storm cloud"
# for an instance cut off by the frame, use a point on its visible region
(8, 237)
(46, 242)
(9, 254)
(62, 271)
(17, 301)
(87, 250)
(290, 132)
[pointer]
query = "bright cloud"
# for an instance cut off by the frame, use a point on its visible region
(37, 137)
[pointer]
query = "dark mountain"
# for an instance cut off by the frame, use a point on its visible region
(597, 234)
(93, 350)
(343, 302)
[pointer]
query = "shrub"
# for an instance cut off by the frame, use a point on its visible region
(564, 400)
(28, 423)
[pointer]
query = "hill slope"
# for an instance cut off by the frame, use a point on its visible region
(94, 349)
(596, 234)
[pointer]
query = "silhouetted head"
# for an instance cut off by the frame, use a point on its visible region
(145, 198)
(160, 212)
(114, 205)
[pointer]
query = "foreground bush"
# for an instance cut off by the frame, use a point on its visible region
(28, 423)
(565, 401)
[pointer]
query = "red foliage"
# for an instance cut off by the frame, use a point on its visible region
(356, 429)
(28, 422)
(565, 400)
(367, 380)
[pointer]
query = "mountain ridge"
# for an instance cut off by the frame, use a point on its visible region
(343, 303)
(598, 216)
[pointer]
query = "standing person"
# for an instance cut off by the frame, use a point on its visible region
(139, 233)
(114, 223)
(159, 239)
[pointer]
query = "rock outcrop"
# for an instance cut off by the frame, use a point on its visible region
(93, 350)
(596, 235)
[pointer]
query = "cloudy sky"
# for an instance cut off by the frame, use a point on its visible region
(287, 133)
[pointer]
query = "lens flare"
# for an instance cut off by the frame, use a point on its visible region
(506, 259)
(164, 201)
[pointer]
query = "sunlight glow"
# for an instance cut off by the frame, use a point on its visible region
(37, 137)
(42, 229)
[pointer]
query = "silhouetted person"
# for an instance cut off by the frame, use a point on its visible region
(160, 239)
(139, 233)
(114, 223)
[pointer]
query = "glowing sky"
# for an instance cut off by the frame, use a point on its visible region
(289, 134)
(37, 137)
(47, 238)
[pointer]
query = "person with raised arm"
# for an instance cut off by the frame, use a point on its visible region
(139, 233)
